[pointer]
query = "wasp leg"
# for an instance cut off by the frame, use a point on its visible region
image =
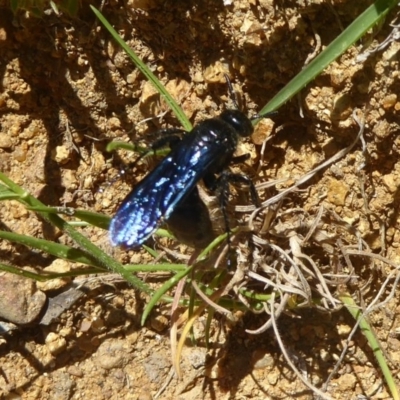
(245, 180)
(240, 159)
(220, 185)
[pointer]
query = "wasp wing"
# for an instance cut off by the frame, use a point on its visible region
(154, 198)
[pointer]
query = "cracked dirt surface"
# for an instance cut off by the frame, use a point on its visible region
(67, 90)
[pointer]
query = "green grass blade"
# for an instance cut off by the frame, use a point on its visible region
(46, 276)
(56, 249)
(96, 219)
(373, 342)
(164, 233)
(151, 251)
(7, 194)
(349, 36)
(155, 267)
(216, 242)
(100, 220)
(170, 283)
(116, 145)
(84, 243)
(146, 72)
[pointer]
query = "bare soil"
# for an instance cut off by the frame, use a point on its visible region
(67, 90)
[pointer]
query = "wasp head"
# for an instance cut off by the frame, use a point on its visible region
(240, 122)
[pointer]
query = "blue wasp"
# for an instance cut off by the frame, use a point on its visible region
(203, 153)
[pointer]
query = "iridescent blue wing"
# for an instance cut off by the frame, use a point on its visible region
(154, 198)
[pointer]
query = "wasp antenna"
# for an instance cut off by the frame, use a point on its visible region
(232, 92)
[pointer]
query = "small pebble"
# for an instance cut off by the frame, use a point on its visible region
(5, 141)
(20, 301)
(55, 343)
(61, 154)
